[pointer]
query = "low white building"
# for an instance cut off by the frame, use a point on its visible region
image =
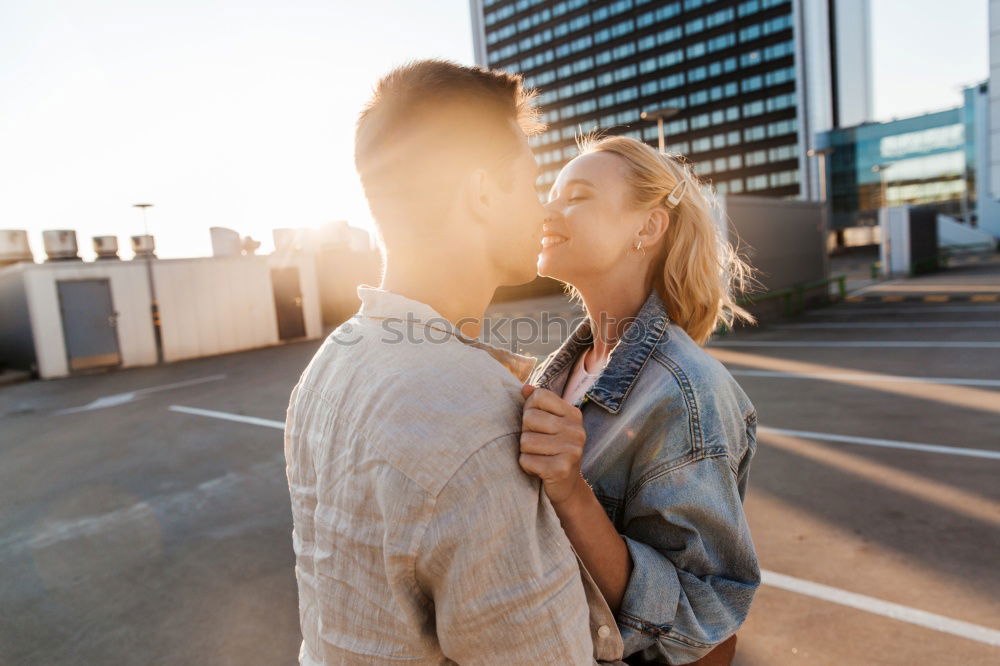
(63, 317)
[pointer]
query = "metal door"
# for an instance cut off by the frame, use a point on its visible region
(288, 302)
(89, 323)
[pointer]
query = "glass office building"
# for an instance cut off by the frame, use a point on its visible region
(748, 88)
(929, 159)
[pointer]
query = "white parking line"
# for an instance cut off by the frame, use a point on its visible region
(888, 443)
(853, 343)
(865, 377)
(226, 416)
(123, 398)
(863, 602)
(805, 587)
(893, 324)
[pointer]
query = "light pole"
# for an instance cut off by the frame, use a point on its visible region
(881, 169)
(153, 308)
(660, 115)
(822, 154)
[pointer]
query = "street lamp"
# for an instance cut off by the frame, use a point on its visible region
(822, 154)
(153, 308)
(660, 115)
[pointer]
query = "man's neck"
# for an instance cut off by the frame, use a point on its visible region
(460, 295)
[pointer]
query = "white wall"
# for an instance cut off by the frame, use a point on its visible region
(894, 251)
(478, 32)
(129, 296)
(987, 203)
(993, 185)
(814, 85)
(855, 88)
(214, 305)
(953, 232)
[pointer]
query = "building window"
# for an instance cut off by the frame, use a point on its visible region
(751, 84)
(696, 50)
(756, 158)
(701, 145)
(694, 27)
(698, 98)
(751, 109)
(668, 35)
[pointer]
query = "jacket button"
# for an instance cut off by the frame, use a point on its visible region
(604, 631)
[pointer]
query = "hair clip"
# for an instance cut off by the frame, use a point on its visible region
(677, 193)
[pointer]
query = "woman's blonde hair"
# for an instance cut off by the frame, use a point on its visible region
(698, 273)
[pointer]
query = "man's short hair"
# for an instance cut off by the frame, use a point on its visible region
(429, 124)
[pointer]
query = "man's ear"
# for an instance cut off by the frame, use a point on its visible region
(477, 194)
(654, 227)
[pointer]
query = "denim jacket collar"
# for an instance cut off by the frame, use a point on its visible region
(627, 359)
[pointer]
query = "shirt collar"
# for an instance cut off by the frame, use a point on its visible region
(627, 359)
(379, 303)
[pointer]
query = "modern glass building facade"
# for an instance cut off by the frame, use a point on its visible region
(928, 160)
(732, 69)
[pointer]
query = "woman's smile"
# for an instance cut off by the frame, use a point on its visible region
(551, 239)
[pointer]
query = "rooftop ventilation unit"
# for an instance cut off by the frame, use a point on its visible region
(144, 246)
(106, 247)
(14, 247)
(225, 242)
(60, 245)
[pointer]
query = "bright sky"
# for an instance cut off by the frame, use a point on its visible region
(925, 51)
(240, 113)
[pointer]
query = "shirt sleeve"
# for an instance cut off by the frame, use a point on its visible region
(504, 582)
(695, 569)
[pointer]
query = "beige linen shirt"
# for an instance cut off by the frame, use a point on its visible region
(417, 536)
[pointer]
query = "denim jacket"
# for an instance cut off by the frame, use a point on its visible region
(670, 437)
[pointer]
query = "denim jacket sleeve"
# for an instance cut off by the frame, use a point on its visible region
(695, 570)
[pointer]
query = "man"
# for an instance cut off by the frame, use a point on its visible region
(418, 538)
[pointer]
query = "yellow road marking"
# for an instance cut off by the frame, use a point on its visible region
(936, 298)
(983, 298)
(892, 299)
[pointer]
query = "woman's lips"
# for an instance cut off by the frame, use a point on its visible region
(551, 240)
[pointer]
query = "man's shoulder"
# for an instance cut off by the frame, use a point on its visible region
(423, 408)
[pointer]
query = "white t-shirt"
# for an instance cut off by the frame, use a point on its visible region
(580, 380)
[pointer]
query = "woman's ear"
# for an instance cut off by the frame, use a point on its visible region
(654, 227)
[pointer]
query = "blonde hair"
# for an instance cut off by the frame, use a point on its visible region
(700, 273)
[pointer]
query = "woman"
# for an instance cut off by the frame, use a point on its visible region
(653, 503)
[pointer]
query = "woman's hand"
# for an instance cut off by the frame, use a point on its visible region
(552, 440)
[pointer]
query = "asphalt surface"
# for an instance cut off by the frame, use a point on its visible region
(133, 533)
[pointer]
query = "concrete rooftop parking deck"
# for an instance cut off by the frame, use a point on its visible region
(145, 515)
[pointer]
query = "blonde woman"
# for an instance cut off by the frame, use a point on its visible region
(643, 441)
